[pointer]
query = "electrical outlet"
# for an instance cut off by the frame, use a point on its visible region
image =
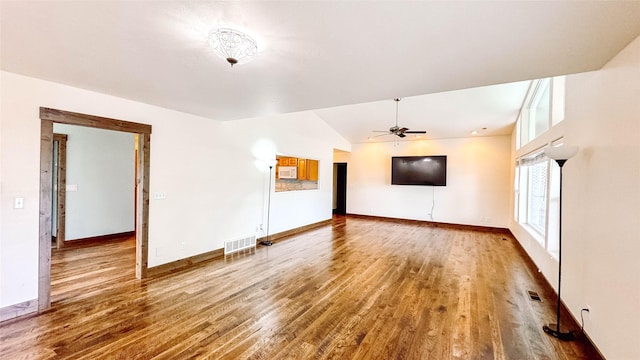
(18, 203)
(160, 195)
(183, 245)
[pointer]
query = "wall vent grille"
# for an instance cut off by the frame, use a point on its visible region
(239, 244)
(534, 296)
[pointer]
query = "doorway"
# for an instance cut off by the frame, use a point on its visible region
(47, 118)
(340, 188)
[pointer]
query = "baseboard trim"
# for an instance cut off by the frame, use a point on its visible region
(95, 240)
(533, 267)
(186, 263)
(435, 224)
(183, 264)
(278, 236)
(17, 310)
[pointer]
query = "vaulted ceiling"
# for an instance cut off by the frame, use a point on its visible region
(346, 60)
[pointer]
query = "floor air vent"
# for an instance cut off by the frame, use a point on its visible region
(534, 296)
(239, 244)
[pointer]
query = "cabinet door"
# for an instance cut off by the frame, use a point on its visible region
(312, 166)
(302, 169)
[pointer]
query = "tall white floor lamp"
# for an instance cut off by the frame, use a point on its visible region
(270, 164)
(560, 154)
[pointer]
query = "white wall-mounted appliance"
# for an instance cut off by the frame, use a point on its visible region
(287, 172)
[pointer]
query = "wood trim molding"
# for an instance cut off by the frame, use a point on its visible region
(548, 288)
(61, 198)
(142, 205)
(72, 118)
(96, 240)
(47, 118)
(46, 191)
(437, 224)
(191, 261)
(15, 310)
(184, 264)
(298, 230)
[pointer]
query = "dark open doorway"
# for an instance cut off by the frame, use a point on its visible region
(340, 188)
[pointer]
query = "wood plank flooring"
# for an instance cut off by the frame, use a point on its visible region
(355, 289)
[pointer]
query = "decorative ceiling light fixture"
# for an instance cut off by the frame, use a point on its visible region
(233, 45)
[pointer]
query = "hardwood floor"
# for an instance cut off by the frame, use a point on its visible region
(355, 289)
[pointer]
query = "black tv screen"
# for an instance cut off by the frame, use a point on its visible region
(419, 170)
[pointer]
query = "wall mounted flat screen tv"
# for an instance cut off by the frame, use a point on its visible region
(419, 170)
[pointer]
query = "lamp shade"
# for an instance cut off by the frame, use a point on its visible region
(271, 162)
(561, 152)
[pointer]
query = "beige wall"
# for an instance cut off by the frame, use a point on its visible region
(101, 166)
(601, 200)
(477, 181)
(211, 173)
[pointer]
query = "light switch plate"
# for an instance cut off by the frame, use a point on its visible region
(18, 203)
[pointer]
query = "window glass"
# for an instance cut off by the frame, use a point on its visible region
(540, 110)
(537, 196)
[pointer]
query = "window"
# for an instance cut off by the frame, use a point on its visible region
(540, 109)
(532, 173)
(537, 198)
(543, 107)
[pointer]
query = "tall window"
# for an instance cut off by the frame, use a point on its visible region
(532, 173)
(537, 195)
(537, 178)
(543, 107)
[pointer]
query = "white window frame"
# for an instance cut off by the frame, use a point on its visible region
(548, 237)
(526, 121)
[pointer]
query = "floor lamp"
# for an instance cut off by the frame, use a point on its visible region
(560, 154)
(271, 164)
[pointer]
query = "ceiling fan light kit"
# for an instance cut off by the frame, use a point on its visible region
(399, 131)
(232, 45)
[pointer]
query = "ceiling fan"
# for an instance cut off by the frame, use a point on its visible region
(399, 131)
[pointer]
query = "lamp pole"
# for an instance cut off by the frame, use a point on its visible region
(268, 242)
(560, 154)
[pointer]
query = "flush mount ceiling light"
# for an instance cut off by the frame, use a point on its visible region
(233, 45)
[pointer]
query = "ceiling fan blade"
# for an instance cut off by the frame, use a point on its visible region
(401, 135)
(375, 136)
(403, 129)
(415, 132)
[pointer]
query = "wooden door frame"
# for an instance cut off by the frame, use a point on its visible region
(61, 194)
(47, 118)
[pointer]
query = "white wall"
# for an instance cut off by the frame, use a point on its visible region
(215, 187)
(601, 200)
(101, 165)
(477, 180)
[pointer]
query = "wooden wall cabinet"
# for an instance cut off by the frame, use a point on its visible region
(308, 169)
(305, 178)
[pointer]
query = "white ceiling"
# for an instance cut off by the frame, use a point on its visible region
(318, 55)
